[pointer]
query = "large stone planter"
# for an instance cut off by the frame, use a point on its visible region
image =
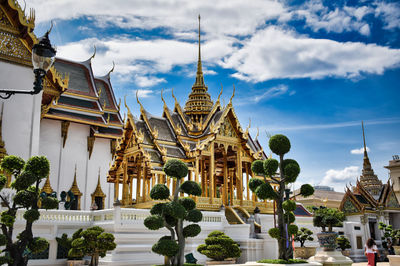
(75, 262)
(346, 253)
(215, 262)
(304, 252)
(394, 260)
(396, 250)
(327, 240)
(330, 258)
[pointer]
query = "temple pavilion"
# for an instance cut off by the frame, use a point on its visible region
(205, 135)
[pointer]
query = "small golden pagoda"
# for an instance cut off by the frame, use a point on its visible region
(205, 135)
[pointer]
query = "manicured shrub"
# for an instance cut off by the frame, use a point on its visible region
(279, 144)
(289, 205)
(254, 183)
(159, 192)
(306, 190)
(219, 247)
(154, 222)
(257, 167)
(191, 188)
(270, 166)
(303, 235)
(188, 203)
(175, 168)
(191, 230)
(274, 233)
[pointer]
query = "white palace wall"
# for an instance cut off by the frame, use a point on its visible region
(21, 114)
(75, 152)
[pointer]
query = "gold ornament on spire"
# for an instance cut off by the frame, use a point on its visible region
(199, 103)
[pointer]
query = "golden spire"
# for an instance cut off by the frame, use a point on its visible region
(199, 74)
(47, 187)
(366, 164)
(98, 192)
(74, 188)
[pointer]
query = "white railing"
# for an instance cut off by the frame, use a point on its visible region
(109, 216)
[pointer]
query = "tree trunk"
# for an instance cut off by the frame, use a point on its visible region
(94, 261)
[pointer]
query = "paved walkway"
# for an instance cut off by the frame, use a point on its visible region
(364, 264)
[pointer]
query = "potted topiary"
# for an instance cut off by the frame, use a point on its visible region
(343, 243)
(74, 257)
(390, 234)
(302, 236)
(328, 218)
(220, 248)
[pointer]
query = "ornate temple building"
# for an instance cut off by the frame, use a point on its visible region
(75, 121)
(205, 135)
(368, 203)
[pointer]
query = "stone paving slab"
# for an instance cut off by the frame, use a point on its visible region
(365, 264)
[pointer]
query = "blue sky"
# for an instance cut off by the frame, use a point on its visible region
(312, 70)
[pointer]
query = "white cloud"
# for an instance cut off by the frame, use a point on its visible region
(271, 93)
(359, 151)
(389, 13)
(144, 93)
(341, 19)
(276, 53)
(144, 81)
(339, 178)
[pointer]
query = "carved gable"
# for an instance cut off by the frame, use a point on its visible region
(11, 47)
(392, 201)
(348, 207)
(226, 129)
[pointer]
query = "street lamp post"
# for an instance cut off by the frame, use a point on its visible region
(43, 56)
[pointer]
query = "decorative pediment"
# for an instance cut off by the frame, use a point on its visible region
(392, 201)
(349, 207)
(226, 129)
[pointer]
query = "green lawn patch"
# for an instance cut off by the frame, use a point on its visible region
(279, 261)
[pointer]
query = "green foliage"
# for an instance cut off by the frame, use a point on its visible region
(289, 217)
(77, 250)
(343, 242)
(191, 230)
(154, 222)
(289, 205)
(38, 245)
(66, 242)
(175, 168)
(38, 166)
(191, 188)
(49, 203)
(166, 247)
(328, 217)
(172, 221)
(254, 183)
(23, 181)
(291, 170)
(159, 192)
(279, 144)
(281, 261)
(274, 233)
(188, 203)
(3, 181)
(24, 198)
(7, 219)
(157, 209)
(194, 216)
(389, 233)
(3, 240)
(31, 215)
(258, 167)
(219, 247)
(270, 166)
(12, 164)
(292, 229)
(265, 191)
(306, 190)
(303, 235)
(175, 209)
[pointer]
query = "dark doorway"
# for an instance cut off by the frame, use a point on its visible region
(74, 203)
(99, 202)
(372, 230)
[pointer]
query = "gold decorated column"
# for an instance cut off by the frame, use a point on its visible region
(247, 181)
(211, 174)
(240, 176)
(138, 180)
(144, 188)
(225, 190)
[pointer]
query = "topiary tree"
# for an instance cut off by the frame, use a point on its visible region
(172, 214)
(303, 235)
(27, 178)
(389, 233)
(219, 247)
(66, 243)
(343, 242)
(93, 242)
(328, 218)
(289, 169)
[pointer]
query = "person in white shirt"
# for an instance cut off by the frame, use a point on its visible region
(371, 252)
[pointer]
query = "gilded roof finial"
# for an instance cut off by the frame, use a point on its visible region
(220, 93)
(233, 95)
(365, 146)
(127, 108)
(162, 98)
(112, 69)
(137, 99)
(173, 96)
(119, 104)
(94, 52)
(248, 127)
(258, 133)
